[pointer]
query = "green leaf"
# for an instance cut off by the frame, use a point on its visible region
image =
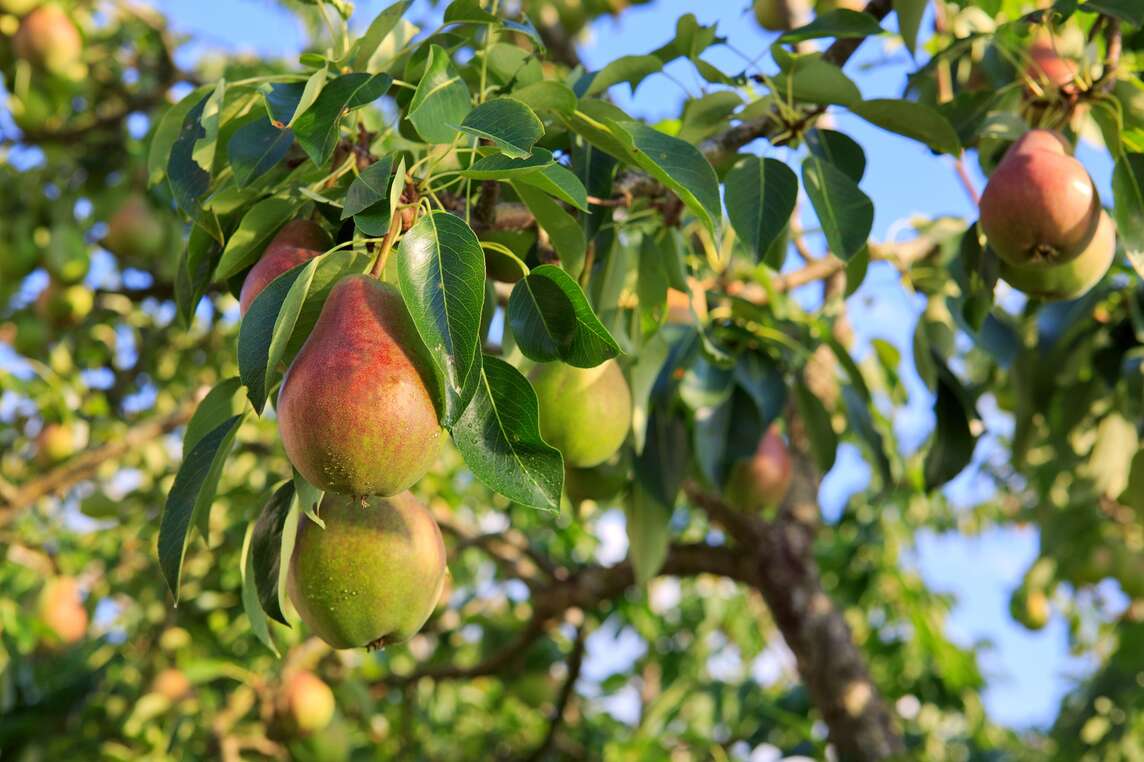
(677, 164)
(441, 100)
(659, 472)
(704, 116)
(441, 272)
(839, 149)
(558, 181)
(256, 148)
(760, 196)
(914, 120)
(332, 266)
(266, 329)
(167, 132)
(860, 421)
(498, 435)
(563, 230)
(590, 121)
(910, 13)
(223, 401)
(282, 99)
(630, 69)
(508, 123)
(651, 284)
(468, 11)
(1125, 10)
(823, 440)
(188, 181)
(251, 605)
(953, 442)
(274, 533)
(547, 95)
(839, 23)
(368, 188)
(308, 95)
(193, 276)
(812, 80)
(1128, 195)
(846, 213)
(551, 319)
(190, 496)
(382, 24)
(253, 233)
(317, 128)
(500, 167)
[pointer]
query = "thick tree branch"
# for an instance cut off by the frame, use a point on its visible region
(830, 663)
(84, 466)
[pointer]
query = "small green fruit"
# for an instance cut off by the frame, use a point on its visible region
(584, 412)
(57, 442)
(373, 575)
(309, 702)
(597, 483)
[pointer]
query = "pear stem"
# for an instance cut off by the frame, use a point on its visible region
(386, 245)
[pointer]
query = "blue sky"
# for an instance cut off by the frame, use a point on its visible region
(1028, 672)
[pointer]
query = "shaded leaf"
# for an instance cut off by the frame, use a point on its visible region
(551, 319)
(317, 128)
(441, 100)
(846, 213)
(839, 23)
(760, 196)
(912, 119)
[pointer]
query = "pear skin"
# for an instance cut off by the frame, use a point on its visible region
(373, 575)
(356, 412)
(298, 241)
(584, 412)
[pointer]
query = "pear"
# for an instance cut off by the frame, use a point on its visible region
(47, 38)
(759, 483)
(1071, 279)
(135, 232)
(298, 241)
(308, 702)
(1040, 206)
(355, 411)
(61, 609)
(373, 575)
(584, 412)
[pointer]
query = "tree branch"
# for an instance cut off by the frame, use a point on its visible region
(84, 466)
(575, 664)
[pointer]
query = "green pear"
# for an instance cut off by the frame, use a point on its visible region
(584, 412)
(355, 411)
(298, 241)
(600, 482)
(373, 575)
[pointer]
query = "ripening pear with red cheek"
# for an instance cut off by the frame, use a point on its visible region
(298, 241)
(356, 412)
(1040, 206)
(47, 38)
(374, 574)
(760, 482)
(308, 702)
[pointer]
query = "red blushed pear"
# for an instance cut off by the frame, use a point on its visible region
(48, 39)
(374, 574)
(356, 412)
(1040, 206)
(759, 483)
(297, 242)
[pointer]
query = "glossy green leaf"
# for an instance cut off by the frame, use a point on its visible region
(846, 213)
(914, 120)
(222, 402)
(547, 95)
(760, 196)
(169, 128)
(551, 319)
(509, 124)
(500, 167)
(382, 24)
(256, 148)
(272, 542)
(1128, 197)
(839, 149)
(952, 446)
(813, 80)
(317, 128)
(677, 164)
(253, 233)
(558, 181)
(251, 605)
(368, 188)
(188, 181)
(190, 496)
(630, 69)
(659, 472)
(441, 272)
(910, 13)
(441, 101)
(498, 435)
(820, 432)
